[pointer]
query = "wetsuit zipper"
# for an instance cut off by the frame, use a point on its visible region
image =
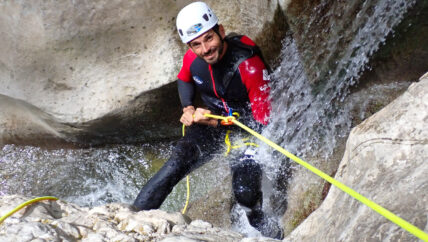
(215, 91)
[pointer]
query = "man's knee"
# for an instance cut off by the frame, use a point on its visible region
(185, 153)
(246, 183)
(247, 196)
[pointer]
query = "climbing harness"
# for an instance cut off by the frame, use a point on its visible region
(228, 120)
(22, 205)
(232, 115)
(379, 209)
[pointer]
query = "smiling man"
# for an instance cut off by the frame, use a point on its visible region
(210, 46)
(231, 76)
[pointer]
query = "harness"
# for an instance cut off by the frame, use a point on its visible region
(235, 39)
(232, 90)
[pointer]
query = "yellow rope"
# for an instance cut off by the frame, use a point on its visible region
(188, 195)
(16, 209)
(187, 182)
(230, 146)
(379, 209)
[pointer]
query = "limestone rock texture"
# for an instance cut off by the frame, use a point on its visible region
(386, 160)
(61, 221)
(79, 61)
(328, 36)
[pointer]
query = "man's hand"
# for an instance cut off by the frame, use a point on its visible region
(191, 116)
(187, 117)
(201, 119)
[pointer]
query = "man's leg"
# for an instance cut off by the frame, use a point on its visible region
(247, 188)
(246, 185)
(161, 184)
(185, 157)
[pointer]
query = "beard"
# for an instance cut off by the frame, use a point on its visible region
(213, 56)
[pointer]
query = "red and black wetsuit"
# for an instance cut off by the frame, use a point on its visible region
(239, 82)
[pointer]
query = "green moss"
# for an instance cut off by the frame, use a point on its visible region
(310, 202)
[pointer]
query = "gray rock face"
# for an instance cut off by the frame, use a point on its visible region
(61, 221)
(386, 161)
(330, 33)
(79, 61)
(27, 124)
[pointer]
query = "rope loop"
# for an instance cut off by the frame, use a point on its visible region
(229, 119)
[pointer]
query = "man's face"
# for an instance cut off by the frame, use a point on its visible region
(208, 46)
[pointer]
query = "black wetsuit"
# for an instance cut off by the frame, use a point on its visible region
(239, 81)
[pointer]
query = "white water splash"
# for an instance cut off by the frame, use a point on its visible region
(303, 122)
(87, 177)
(308, 123)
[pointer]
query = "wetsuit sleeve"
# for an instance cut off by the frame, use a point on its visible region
(186, 87)
(185, 74)
(254, 75)
(186, 91)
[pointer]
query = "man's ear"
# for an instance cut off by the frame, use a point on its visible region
(188, 45)
(221, 31)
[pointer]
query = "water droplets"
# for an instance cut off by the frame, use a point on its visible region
(88, 177)
(309, 117)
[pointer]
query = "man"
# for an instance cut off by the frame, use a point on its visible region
(231, 77)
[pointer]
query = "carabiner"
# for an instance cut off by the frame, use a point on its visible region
(229, 120)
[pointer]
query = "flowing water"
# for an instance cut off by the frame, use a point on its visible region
(302, 122)
(88, 177)
(95, 176)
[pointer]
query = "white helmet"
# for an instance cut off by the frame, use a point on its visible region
(194, 20)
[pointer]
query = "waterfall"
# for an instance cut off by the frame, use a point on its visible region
(309, 118)
(312, 118)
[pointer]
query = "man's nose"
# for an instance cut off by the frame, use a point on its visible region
(205, 47)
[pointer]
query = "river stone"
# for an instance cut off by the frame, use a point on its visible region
(386, 161)
(62, 221)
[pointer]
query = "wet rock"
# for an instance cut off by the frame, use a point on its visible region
(333, 37)
(374, 70)
(199, 230)
(23, 123)
(61, 221)
(215, 207)
(385, 160)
